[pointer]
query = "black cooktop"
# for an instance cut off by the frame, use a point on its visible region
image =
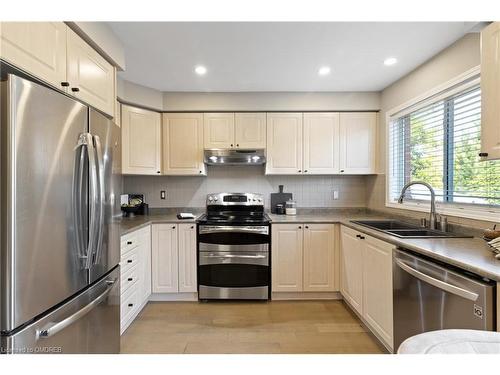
(234, 218)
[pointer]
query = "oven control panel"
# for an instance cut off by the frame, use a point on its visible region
(235, 199)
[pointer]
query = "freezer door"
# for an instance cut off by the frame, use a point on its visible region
(43, 171)
(88, 323)
(428, 297)
(106, 137)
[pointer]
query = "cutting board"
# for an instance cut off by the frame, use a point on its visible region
(280, 197)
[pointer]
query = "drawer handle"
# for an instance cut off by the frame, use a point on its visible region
(129, 242)
(130, 304)
(173, 227)
(129, 261)
(130, 279)
(483, 154)
(75, 89)
(307, 226)
(64, 84)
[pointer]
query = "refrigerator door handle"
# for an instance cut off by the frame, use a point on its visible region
(77, 195)
(438, 283)
(94, 201)
(53, 328)
(101, 193)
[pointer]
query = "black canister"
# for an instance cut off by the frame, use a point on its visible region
(280, 209)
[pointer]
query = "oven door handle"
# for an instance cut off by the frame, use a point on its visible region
(438, 283)
(235, 256)
(235, 229)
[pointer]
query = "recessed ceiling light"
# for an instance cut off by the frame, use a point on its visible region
(200, 70)
(324, 70)
(390, 61)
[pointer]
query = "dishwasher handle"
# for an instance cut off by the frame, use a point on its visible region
(464, 293)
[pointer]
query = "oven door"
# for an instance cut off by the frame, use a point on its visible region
(234, 271)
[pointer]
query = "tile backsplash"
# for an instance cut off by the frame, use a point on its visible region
(308, 191)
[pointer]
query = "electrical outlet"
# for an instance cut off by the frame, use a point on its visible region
(335, 194)
(163, 194)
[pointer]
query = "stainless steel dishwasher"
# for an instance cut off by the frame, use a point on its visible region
(429, 296)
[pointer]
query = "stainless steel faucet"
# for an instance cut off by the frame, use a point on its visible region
(432, 216)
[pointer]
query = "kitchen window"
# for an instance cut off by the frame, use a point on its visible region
(438, 142)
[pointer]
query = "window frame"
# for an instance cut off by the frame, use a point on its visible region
(460, 83)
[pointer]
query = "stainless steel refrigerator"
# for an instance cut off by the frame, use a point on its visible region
(60, 191)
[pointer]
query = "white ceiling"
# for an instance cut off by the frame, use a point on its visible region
(272, 56)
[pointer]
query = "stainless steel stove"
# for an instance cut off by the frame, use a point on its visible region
(234, 248)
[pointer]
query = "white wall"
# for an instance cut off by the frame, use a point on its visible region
(460, 57)
(271, 101)
(131, 93)
(309, 191)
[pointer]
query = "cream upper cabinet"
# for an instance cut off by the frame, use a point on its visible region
(321, 143)
(351, 268)
(118, 114)
(164, 258)
(250, 130)
(377, 287)
(319, 252)
(38, 48)
(183, 144)
(218, 129)
(141, 141)
(91, 78)
(490, 91)
(284, 143)
(286, 258)
(187, 258)
(357, 142)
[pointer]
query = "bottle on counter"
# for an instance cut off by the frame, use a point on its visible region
(291, 207)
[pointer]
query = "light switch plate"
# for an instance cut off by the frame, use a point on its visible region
(335, 194)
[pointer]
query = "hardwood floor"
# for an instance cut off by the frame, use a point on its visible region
(247, 327)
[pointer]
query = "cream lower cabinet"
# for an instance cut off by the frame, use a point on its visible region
(303, 258)
(357, 142)
(366, 280)
(135, 280)
(183, 144)
(284, 143)
(490, 91)
(38, 48)
(174, 258)
(141, 141)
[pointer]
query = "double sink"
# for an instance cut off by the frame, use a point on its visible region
(403, 230)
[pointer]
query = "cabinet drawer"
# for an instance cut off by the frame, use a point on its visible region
(129, 278)
(129, 304)
(129, 242)
(129, 259)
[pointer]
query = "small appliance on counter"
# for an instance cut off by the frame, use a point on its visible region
(133, 204)
(279, 199)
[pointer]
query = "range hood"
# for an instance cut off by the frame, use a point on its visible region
(235, 157)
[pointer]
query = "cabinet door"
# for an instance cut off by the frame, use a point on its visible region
(319, 250)
(218, 129)
(165, 274)
(357, 143)
(90, 76)
(284, 143)
(321, 143)
(286, 257)
(250, 130)
(187, 258)
(141, 142)
(183, 144)
(351, 268)
(145, 263)
(39, 48)
(377, 287)
(490, 91)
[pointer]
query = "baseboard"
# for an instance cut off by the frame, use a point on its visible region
(283, 296)
(156, 297)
